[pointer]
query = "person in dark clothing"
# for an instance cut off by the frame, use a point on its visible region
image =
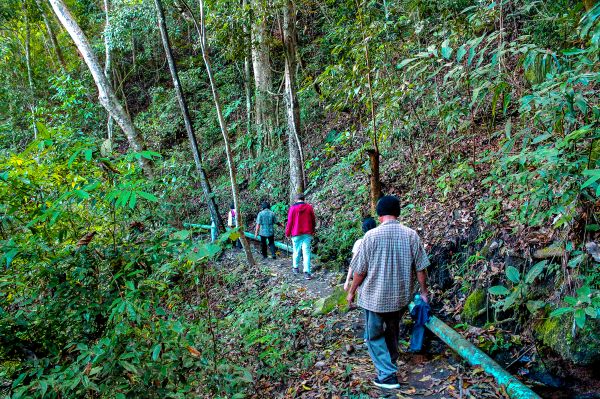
(265, 224)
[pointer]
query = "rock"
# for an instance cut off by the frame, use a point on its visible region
(553, 251)
(349, 349)
(474, 305)
(488, 249)
(337, 299)
(555, 334)
(494, 245)
(320, 364)
(593, 249)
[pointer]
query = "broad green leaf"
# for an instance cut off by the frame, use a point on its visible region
(576, 261)
(471, 56)
(498, 290)
(560, 311)
(405, 62)
(510, 300)
(10, 255)
(592, 312)
(72, 158)
(594, 176)
(535, 271)
(579, 318)
(132, 200)
(571, 300)
(147, 196)
(128, 366)
(181, 235)
(584, 294)
(513, 274)
(156, 351)
(541, 138)
(82, 194)
(446, 50)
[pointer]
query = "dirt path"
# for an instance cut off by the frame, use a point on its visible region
(342, 367)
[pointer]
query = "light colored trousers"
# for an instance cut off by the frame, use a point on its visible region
(302, 243)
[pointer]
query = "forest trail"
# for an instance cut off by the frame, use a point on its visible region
(342, 367)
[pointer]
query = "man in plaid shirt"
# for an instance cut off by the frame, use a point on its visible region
(385, 266)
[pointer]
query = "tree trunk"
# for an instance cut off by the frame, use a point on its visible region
(263, 80)
(373, 153)
(247, 71)
(210, 201)
(106, 95)
(108, 63)
(51, 35)
(375, 180)
(223, 125)
(29, 71)
(297, 181)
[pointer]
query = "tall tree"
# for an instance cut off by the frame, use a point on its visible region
(373, 153)
(223, 125)
(51, 35)
(106, 94)
(247, 66)
(108, 62)
(263, 78)
(208, 195)
(297, 182)
(29, 70)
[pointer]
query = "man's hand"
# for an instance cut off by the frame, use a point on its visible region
(350, 297)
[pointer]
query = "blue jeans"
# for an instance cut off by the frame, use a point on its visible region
(382, 333)
(301, 242)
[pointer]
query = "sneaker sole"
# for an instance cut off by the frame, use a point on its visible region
(387, 386)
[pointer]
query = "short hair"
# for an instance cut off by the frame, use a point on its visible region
(368, 224)
(265, 205)
(388, 205)
(232, 206)
(300, 196)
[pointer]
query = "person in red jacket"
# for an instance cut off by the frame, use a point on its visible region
(301, 228)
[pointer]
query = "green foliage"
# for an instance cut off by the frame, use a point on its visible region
(585, 304)
(521, 285)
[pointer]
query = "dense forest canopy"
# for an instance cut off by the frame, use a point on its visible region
(126, 124)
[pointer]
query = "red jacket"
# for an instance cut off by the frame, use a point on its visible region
(301, 220)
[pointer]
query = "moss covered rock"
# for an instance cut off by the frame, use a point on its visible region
(474, 305)
(337, 299)
(553, 251)
(556, 334)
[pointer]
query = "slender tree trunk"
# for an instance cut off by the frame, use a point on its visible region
(108, 63)
(297, 181)
(51, 34)
(29, 71)
(263, 79)
(106, 95)
(210, 201)
(247, 69)
(223, 125)
(374, 153)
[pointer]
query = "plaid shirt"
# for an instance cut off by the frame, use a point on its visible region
(389, 255)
